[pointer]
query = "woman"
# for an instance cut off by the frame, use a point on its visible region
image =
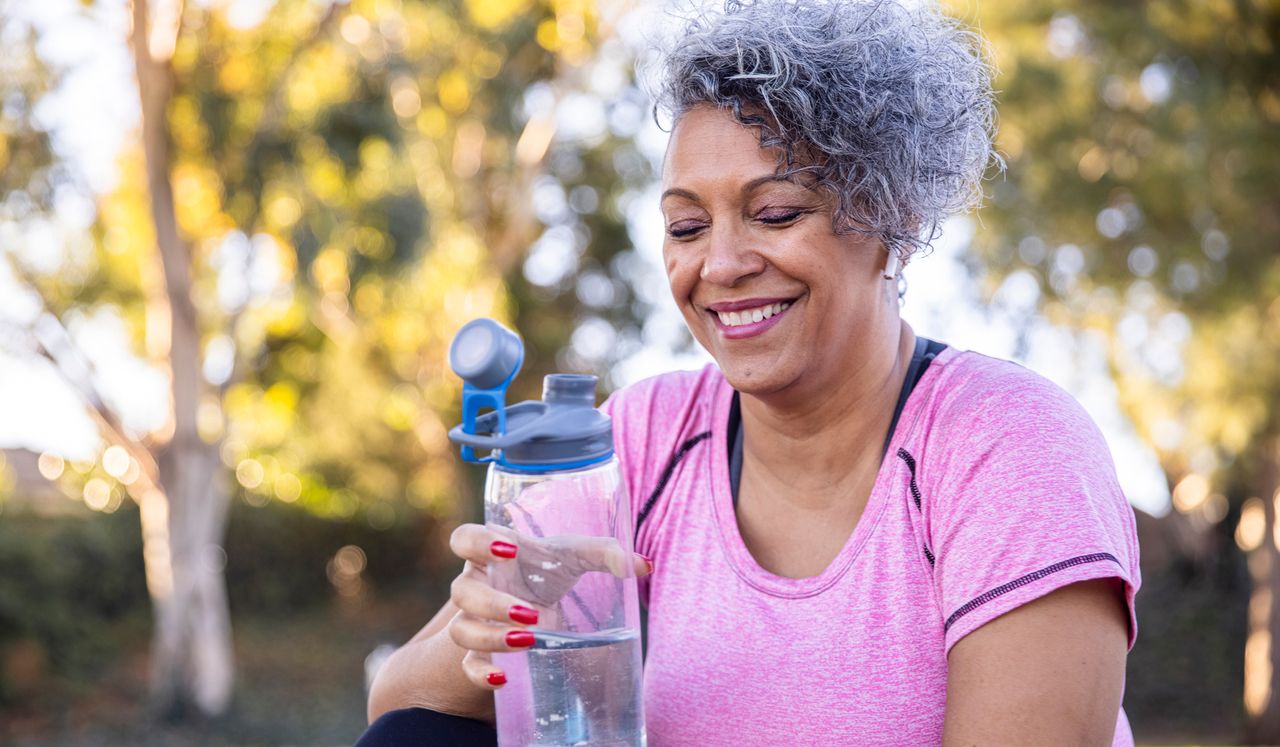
(858, 536)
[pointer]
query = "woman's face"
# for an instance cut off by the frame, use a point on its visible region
(764, 283)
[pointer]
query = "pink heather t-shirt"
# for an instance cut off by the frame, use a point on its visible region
(996, 489)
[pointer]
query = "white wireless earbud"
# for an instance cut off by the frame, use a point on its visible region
(891, 265)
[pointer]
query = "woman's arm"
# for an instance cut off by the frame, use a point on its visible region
(427, 672)
(1048, 672)
(430, 670)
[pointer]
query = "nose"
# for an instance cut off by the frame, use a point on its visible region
(731, 257)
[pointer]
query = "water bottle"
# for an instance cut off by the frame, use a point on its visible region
(554, 488)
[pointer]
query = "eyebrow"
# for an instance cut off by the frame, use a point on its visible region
(746, 188)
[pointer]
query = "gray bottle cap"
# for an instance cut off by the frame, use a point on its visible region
(566, 430)
(485, 353)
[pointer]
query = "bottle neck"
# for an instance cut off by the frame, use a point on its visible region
(608, 460)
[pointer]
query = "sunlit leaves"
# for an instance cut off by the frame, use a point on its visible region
(1141, 143)
(453, 91)
(25, 146)
(348, 181)
(321, 78)
(494, 15)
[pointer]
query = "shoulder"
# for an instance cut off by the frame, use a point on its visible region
(971, 379)
(993, 422)
(978, 397)
(1018, 492)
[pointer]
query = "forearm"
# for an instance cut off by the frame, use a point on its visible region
(427, 672)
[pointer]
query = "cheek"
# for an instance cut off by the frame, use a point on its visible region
(682, 273)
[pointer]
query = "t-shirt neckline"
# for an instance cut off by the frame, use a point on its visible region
(740, 558)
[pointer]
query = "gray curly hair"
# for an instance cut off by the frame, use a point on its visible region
(886, 105)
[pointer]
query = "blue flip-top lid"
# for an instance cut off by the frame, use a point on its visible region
(562, 431)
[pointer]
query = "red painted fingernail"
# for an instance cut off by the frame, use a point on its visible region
(520, 639)
(496, 679)
(502, 549)
(523, 614)
(647, 562)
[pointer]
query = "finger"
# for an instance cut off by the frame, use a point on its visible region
(606, 553)
(475, 634)
(479, 668)
(481, 544)
(472, 594)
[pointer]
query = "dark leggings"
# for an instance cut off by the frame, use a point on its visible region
(418, 727)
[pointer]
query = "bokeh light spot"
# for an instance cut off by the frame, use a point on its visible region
(249, 473)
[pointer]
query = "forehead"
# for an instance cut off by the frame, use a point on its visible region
(708, 145)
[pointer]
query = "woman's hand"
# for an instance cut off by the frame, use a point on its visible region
(447, 666)
(534, 573)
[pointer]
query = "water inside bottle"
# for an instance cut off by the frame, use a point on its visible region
(578, 689)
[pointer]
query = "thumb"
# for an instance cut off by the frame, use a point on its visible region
(641, 565)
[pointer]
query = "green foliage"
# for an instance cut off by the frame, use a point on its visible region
(71, 584)
(600, 285)
(350, 181)
(26, 152)
(377, 145)
(1186, 673)
(278, 558)
(65, 583)
(1141, 141)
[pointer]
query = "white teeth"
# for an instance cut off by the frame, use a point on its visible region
(751, 316)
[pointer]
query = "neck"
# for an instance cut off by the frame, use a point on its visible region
(818, 440)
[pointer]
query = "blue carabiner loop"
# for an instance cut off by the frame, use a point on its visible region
(475, 399)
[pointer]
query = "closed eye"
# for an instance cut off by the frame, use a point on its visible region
(780, 217)
(684, 230)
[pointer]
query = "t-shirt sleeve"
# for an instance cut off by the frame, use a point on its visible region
(1027, 502)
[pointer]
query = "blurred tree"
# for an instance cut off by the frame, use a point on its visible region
(184, 506)
(321, 197)
(1143, 142)
(25, 150)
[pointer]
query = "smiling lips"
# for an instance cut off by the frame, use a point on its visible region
(738, 320)
(749, 316)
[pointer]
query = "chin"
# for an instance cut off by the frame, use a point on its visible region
(761, 373)
(756, 379)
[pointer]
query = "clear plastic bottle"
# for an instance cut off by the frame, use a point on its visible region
(580, 684)
(555, 489)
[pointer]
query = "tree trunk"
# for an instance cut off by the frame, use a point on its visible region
(192, 660)
(184, 518)
(1262, 648)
